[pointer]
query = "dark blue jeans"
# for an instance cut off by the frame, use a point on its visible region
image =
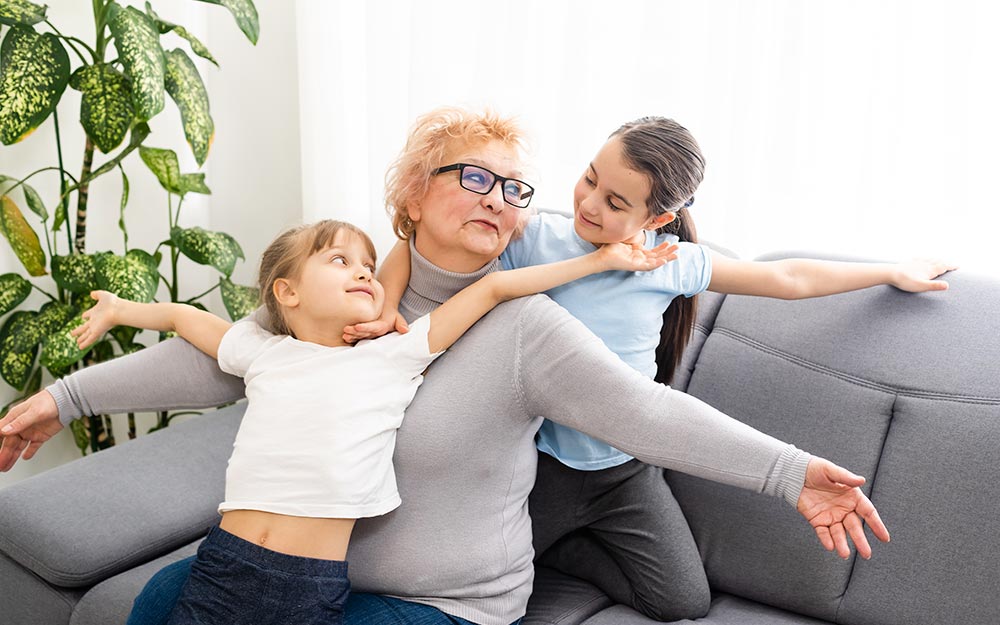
(157, 599)
(237, 582)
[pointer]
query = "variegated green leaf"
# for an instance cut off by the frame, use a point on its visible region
(15, 366)
(34, 383)
(13, 12)
(164, 164)
(35, 202)
(217, 249)
(125, 335)
(60, 351)
(139, 133)
(13, 290)
(133, 276)
(34, 71)
(106, 109)
(184, 85)
(246, 16)
(75, 272)
(22, 238)
(239, 300)
(138, 45)
(50, 318)
(81, 434)
(165, 27)
(194, 183)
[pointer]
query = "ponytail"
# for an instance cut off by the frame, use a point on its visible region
(679, 317)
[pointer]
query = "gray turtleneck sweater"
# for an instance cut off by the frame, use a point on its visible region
(465, 455)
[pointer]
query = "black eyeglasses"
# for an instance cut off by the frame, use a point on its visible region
(481, 180)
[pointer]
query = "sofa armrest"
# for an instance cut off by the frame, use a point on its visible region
(85, 521)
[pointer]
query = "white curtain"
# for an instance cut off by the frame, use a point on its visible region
(859, 127)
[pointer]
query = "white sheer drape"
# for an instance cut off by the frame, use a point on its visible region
(863, 127)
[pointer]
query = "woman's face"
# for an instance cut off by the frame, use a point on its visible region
(609, 201)
(459, 230)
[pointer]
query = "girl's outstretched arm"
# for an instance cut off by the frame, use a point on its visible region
(799, 278)
(202, 329)
(394, 274)
(450, 320)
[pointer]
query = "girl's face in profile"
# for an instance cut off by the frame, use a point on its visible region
(338, 283)
(609, 201)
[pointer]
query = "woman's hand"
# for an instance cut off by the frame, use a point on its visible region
(834, 505)
(26, 426)
(97, 320)
(625, 257)
(918, 275)
(390, 321)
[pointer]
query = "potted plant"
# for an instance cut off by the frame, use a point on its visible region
(124, 76)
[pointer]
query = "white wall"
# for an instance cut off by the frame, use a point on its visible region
(253, 168)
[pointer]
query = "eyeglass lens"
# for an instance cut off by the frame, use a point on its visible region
(481, 180)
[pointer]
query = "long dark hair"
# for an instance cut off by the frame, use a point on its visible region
(670, 157)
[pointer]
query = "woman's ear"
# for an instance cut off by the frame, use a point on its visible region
(660, 220)
(284, 292)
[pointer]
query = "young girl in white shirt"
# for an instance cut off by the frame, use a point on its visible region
(314, 450)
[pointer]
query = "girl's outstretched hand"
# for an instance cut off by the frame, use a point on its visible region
(625, 257)
(390, 321)
(97, 320)
(918, 275)
(834, 505)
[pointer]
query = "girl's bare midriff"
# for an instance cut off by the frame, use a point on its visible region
(307, 537)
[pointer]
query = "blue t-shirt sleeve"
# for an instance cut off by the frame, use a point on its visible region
(518, 252)
(698, 269)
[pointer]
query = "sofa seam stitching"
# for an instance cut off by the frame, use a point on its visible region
(897, 391)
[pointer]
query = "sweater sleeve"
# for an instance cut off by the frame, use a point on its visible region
(172, 374)
(566, 374)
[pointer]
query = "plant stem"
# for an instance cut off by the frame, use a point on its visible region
(201, 295)
(63, 197)
(82, 194)
(71, 40)
(43, 291)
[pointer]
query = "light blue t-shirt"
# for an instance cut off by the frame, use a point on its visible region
(623, 308)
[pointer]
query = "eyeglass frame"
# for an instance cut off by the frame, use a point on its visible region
(496, 178)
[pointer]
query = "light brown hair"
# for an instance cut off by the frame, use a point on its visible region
(671, 159)
(285, 256)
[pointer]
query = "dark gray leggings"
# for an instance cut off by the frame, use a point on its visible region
(636, 545)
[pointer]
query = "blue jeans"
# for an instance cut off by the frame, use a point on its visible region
(157, 599)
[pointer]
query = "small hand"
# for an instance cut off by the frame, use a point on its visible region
(834, 505)
(918, 275)
(26, 426)
(626, 257)
(390, 321)
(97, 320)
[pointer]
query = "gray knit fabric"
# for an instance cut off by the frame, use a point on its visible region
(465, 456)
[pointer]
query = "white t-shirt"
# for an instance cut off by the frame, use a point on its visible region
(320, 428)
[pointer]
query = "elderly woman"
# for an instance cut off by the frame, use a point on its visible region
(459, 549)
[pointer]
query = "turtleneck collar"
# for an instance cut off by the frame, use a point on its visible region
(430, 285)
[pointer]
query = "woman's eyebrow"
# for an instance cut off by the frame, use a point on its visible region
(612, 192)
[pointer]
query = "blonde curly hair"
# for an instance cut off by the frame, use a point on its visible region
(430, 138)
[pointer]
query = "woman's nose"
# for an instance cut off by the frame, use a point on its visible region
(493, 200)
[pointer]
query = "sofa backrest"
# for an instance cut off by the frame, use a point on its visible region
(901, 388)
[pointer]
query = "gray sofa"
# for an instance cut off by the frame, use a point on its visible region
(901, 388)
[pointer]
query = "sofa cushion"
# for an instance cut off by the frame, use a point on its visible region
(937, 490)
(174, 503)
(872, 380)
(559, 599)
(111, 600)
(726, 610)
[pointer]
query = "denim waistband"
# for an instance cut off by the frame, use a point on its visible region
(247, 551)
